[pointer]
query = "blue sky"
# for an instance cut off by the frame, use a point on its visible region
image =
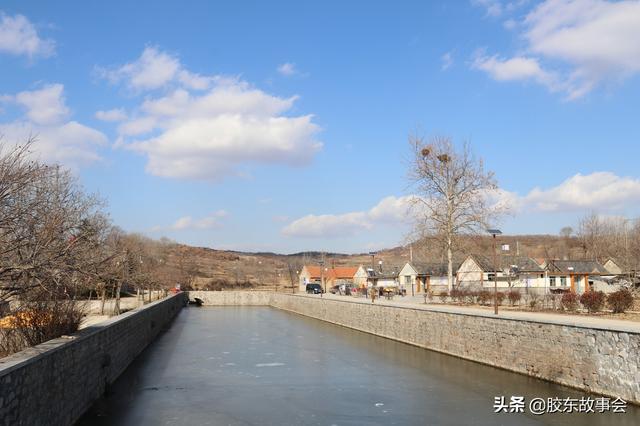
(283, 126)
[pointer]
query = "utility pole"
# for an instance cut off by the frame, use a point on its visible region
(373, 271)
(494, 233)
(322, 282)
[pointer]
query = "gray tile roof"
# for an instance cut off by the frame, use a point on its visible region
(579, 267)
(433, 269)
(523, 263)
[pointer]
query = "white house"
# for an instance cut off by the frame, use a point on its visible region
(512, 271)
(613, 267)
(419, 277)
(577, 276)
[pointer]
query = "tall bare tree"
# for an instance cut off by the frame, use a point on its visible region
(453, 193)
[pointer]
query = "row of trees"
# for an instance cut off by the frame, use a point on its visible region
(58, 247)
(604, 237)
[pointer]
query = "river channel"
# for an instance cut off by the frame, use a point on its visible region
(263, 366)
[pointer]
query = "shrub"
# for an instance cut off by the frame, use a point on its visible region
(457, 294)
(444, 296)
(569, 301)
(500, 297)
(484, 297)
(534, 299)
(551, 299)
(620, 301)
(35, 322)
(471, 296)
(593, 300)
(514, 296)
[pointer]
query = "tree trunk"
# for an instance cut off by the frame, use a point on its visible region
(103, 297)
(116, 307)
(449, 269)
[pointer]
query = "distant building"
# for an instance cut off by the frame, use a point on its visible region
(512, 271)
(418, 277)
(612, 267)
(326, 276)
(366, 276)
(577, 276)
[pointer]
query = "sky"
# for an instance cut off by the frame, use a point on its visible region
(282, 126)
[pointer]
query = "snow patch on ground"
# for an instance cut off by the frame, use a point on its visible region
(270, 364)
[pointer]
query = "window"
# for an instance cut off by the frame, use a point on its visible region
(407, 279)
(563, 281)
(491, 276)
(552, 282)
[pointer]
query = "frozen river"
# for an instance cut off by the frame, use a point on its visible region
(262, 366)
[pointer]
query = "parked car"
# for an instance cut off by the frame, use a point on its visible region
(343, 289)
(314, 288)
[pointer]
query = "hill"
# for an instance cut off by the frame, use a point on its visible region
(211, 268)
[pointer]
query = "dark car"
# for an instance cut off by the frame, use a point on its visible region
(314, 288)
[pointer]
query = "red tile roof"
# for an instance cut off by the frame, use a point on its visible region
(341, 272)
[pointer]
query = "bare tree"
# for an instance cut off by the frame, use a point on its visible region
(50, 235)
(452, 193)
(566, 232)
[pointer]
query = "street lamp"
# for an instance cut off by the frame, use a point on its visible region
(373, 271)
(494, 233)
(322, 283)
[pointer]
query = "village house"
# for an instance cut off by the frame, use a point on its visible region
(512, 271)
(366, 276)
(578, 276)
(613, 267)
(418, 277)
(326, 276)
(361, 276)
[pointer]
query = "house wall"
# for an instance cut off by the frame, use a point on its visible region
(612, 267)
(360, 277)
(470, 273)
(524, 280)
(387, 282)
(407, 278)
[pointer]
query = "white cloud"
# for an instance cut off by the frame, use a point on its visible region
(155, 69)
(44, 106)
(189, 223)
(597, 191)
(492, 7)
(69, 143)
(447, 61)
(288, 69)
(46, 118)
(390, 210)
(327, 225)
(213, 133)
(18, 36)
(116, 114)
(585, 42)
(517, 68)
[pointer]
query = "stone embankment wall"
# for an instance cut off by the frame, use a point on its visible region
(54, 383)
(601, 360)
(233, 298)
